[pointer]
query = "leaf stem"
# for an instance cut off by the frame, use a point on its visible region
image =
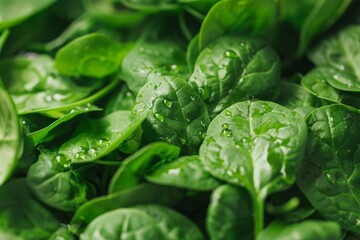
(258, 208)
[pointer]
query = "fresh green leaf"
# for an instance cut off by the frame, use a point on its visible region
(135, 167)
(96, 138)
(328, 176)
(10, 137)
(92, 55)
(187, 172)
(233, 204)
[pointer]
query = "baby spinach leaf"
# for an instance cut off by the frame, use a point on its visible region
(146, 57)
(107, 13)
(258, 145)
(46, 134)
(133, 169)
(233, 204)
(338, 55)
(92, 55)
(35, 86)
(121, 224)
(187, 172)
(10, 137)
(17, 11)
(121, 99)
(192, 52)
(178, 115)
(317, 82)
(132, 143)
(141, 194)
(232, 69)
(62, 234)
(22, 215)
(329, 176)
(96, 138)
(52, 181)
(173, 225)
(257, 18)
(309, 230)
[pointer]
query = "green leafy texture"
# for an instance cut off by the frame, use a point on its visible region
(151, 5)
(35, 85)
(306, 230)
(322, 15)
(62, 234)
(232, 69)
(294, 96)
(178, 115)
(317, 83)
(132, 143)
(173, 225)
(107, 13)
(21, 215)
(121, 99)
(258, 145)
(17, 11)
(329, 176)
(96, 138)
(192, 52)
(122, 224)
(92, 55)
(135, 167)
(47, 133)
(55, 184)
(233, 205)
(4, 35)
(141, 194)
(187, 172)
(149, 56)
(10, 137)
(339, 52)
(256, 18)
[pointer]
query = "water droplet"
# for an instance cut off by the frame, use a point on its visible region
(173, 67)
(187, 120)
(79, 155)
(208, 69)
(330, 178)
(57, 97)
(102, 142)
(202, 124)
(225, 125)
(92, 151)
(62, 160)
(230, 54)
(192, 98)
(182, 141)
(228, 113)
(167, 103)
(48, 98)
(159, 117)
(128, 94)
(331, 119)
(226, 132)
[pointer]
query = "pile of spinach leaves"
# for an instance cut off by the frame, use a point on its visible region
(179, 119)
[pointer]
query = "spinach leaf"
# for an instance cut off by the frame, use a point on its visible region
(121, 224)
(96, 138)
(233, 69)
(35, 86)
(55, 184)
(151, 5)
(338, 56)
(141, 194)
(192, 52)
(10, 137)
(17, 11)
(258, 145)
(121, 99)
(4, 35)
(47, 133)
(62, 234)
(107, 13)
(233, 204)
(23, 216)
(172, 224)
(146, 57)
(257, 18)
(92, 55)
(178, 115)
(133, 169)
(317, 82)
(329, 177)
(307, 230)
(187, 172)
